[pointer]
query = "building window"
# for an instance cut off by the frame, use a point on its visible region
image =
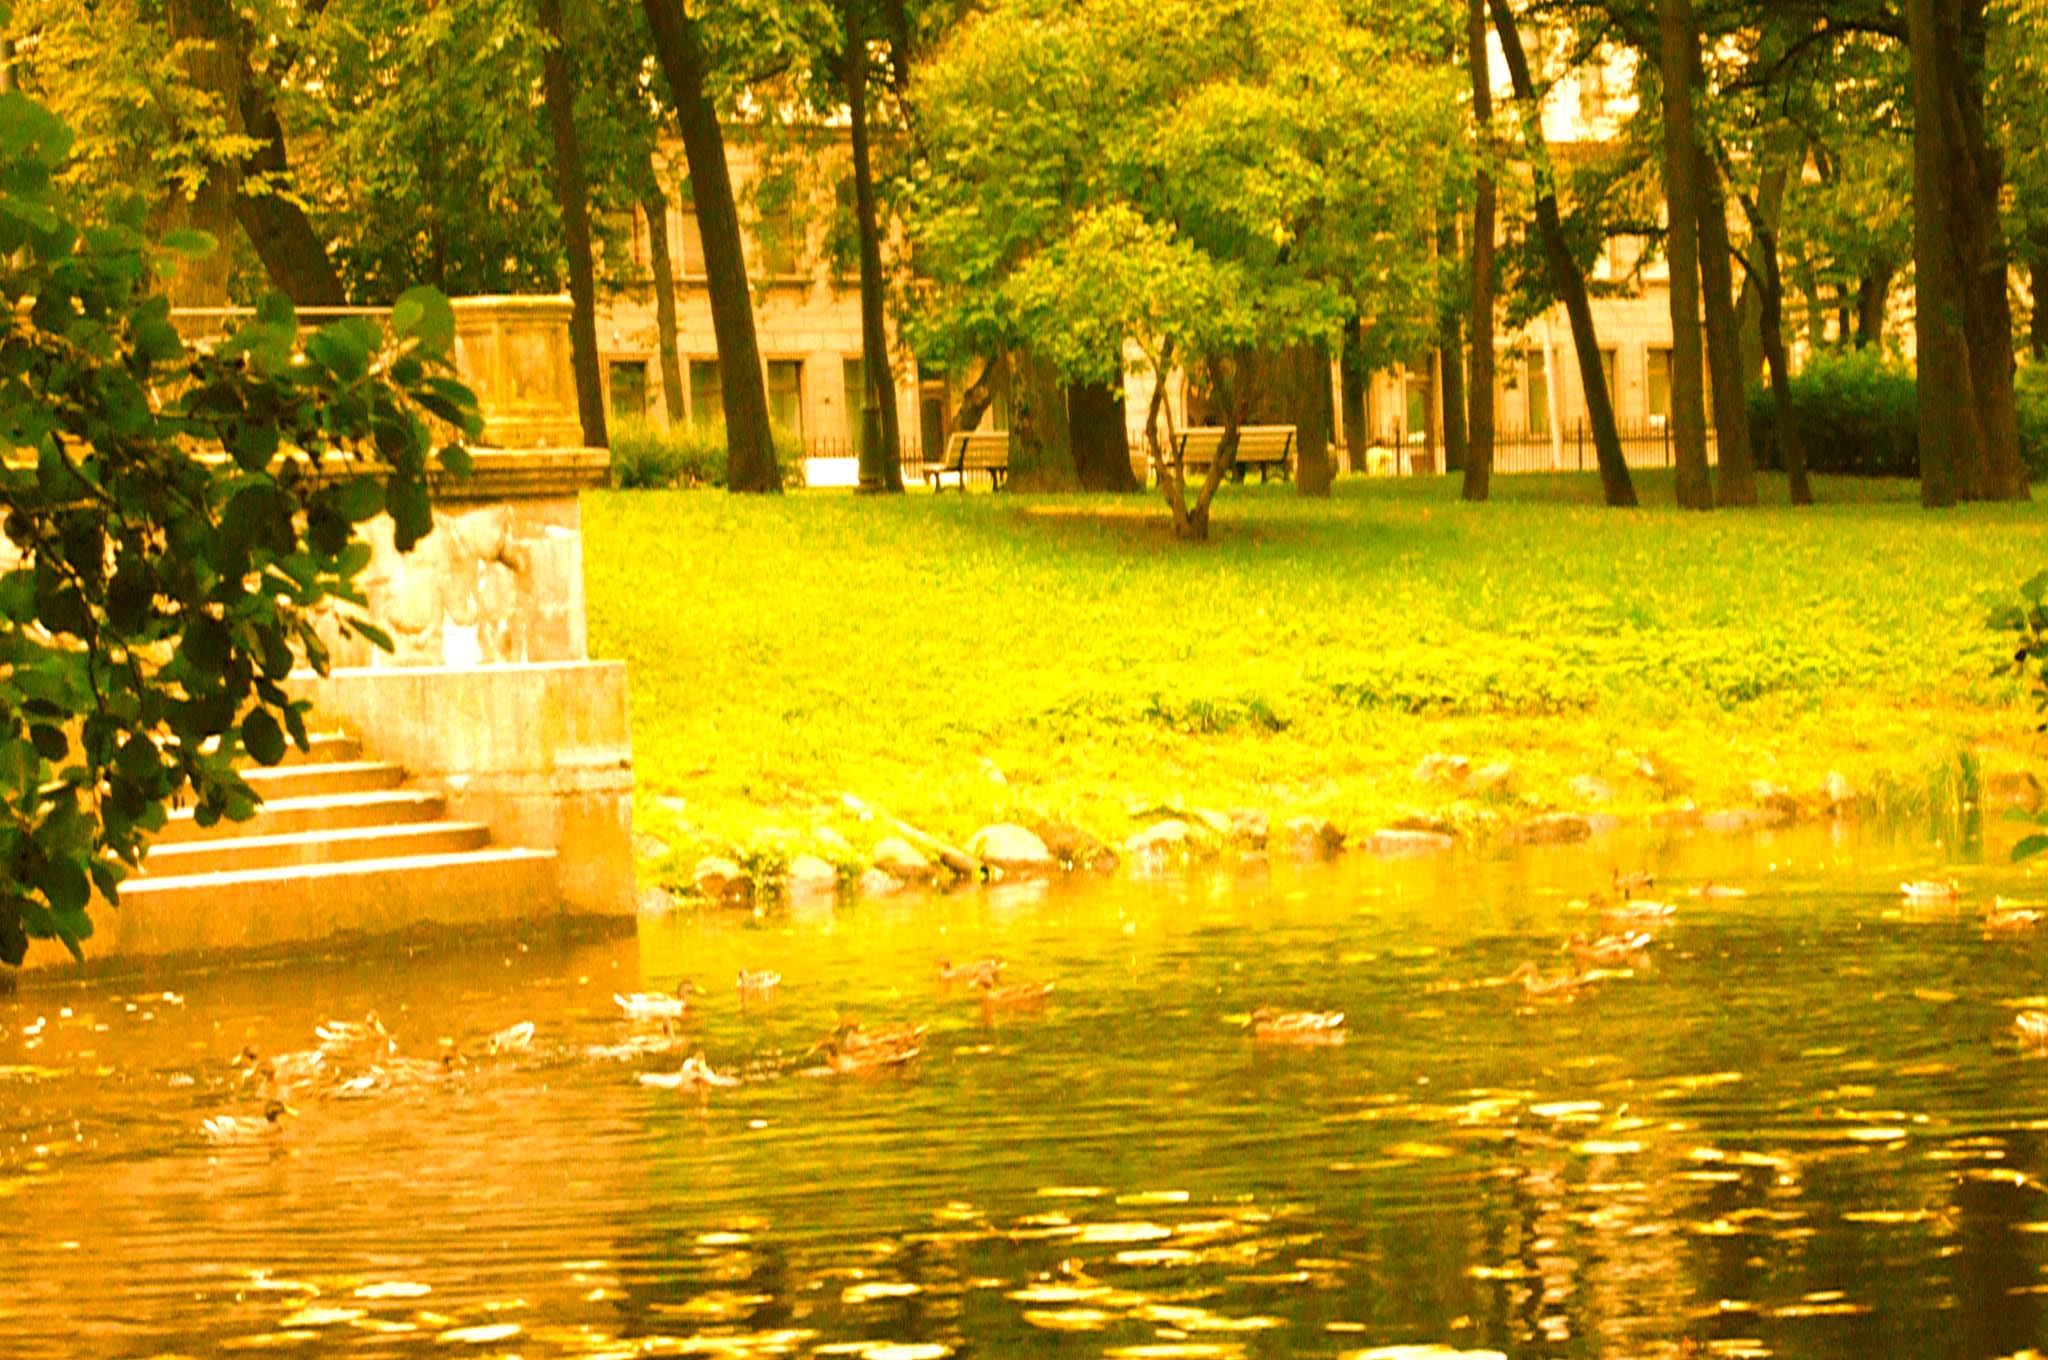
(1417, 385)
(687, 246)
(1610, 366)
(786, 396)
(854, 373)
(1659, 386)
(629, 389)
(707, 398)
(1525, 390)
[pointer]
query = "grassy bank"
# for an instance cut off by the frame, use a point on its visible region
(957, 659)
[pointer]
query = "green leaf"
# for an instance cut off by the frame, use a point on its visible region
(455, 460)
(275, 309)
(262, 737)
(2028, 847)
(64, 883)
(424, 314)
(28, 131)
(359, 499)
(412, 514)
(339, 349)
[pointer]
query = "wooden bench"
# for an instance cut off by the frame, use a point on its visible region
(967, 451)
(1269, 448)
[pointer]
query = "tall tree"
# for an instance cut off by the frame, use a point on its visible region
(1565, 278)
(1969, 435)
(558, 85)
(881, 446)
(749, 447)
(1479, 421)
(1678, 46)
(654, 207)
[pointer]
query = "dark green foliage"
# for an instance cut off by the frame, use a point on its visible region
(2026, 618)
(1857, 412)
(647, 457)
(179, 515)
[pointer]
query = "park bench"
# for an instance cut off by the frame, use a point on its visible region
(969, 451)
(1269, 448)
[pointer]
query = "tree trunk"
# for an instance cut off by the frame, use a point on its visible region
(1724, 348)
(1352, 378)
(559, 93)
(293, 255)
(975, 399)
(1951, 442)
(1678, 50)
(654, 203)
(1749, 308)
(1978, 178)
(887, 459)
(1099, 437)
(1565, 278)
(1771, 296)
(1480, 422)
(750, 449)
(203, 30)
(1041, 434)
(2037, 276)
(1313, 472)
(1873, 293)
(1450, 359)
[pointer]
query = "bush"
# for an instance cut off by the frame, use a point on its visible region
(646, 456)
(1857, 412)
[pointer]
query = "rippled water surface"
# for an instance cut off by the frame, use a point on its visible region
(1800, 1129)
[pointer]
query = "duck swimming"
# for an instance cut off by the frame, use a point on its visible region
(1931, 890)
(231, 1128)
(850, 1049)
(512, 1038)
(1558, 986)
(656, 1005)
(1609, 951)
(344, 1036)
(989, 970)
(1021, 996)
(694, 1075)
(1307, 1028)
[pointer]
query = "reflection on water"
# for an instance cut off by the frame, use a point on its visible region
(1796, 1126)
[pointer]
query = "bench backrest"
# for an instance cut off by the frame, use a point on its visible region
(978, 449)
(1255, 443)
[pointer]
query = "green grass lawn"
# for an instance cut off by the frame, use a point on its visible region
(957, 659)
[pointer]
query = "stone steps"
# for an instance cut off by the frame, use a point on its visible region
(320, 812)
(312, 779)
(259, 908)
(327, 845)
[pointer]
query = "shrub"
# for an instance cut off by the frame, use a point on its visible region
(1857, 413)
(646, 456)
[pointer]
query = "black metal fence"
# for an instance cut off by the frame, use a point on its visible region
(1570, 449)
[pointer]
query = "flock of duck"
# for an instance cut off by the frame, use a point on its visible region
(359, 1058)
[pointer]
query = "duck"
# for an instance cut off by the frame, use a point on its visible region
(1711, 889)
(1297, 1027)
(989, 970)
(1630, 884)
(1021, 996)
(234, 1128)
(394, 1073)
(1638, 912)
(1558, 986)
(759, 983)
(1932, 890)
(850, 1049)
(656, 1005)
(513, 1038)
(694, 1075)
(2002, 919)
(345, 1036)
(1609, 951)
(299, 1068)
(2032, 1029)
(647, 1043)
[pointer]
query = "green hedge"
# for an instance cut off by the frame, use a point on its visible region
(646, 456)
(1857, 416)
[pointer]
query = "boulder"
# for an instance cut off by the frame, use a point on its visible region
(1250, 827)
(1011, 849)
(880, 883)
(647, 847)
(1314, 836)
(1443, 771)
(719, 879)
(1775, 802)
(1170, 837)
(1555, 828)
(835, 845)
(1685, 814)
(1734, 821)
(2005, 789)
(1839, 796)
(900, 859)
(1398, 841)
(810, 874)
(1423, 821)
(1592, 789)
(1497, 780)
(1074, 847)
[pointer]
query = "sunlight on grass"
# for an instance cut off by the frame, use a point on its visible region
(955, 658)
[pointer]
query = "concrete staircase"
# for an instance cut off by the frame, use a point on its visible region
(340, 844)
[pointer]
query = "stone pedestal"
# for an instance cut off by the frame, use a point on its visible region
(514, 353)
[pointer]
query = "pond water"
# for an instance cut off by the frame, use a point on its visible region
(1800, 1127)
